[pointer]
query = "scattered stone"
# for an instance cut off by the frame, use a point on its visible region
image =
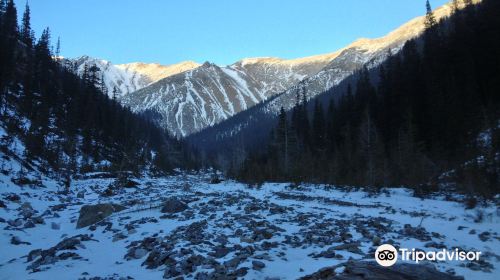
(258, 265)
(41, 257)
(119, 236)
(29, 224)
(17, 241)
(140, 253)
(173, 205)
(361, 270)
(484, 236)
(13, 197)
(349, 247)
(80, 194)
(38, 220)
(55, 226)
(416, 232)
(15, 223)
(91, 214)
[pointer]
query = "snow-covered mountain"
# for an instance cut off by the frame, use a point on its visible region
(344, 62)
(204, 96)
(189, 97)
(121, 79)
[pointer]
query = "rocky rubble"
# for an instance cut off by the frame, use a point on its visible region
(40, 257)
(229, 231)
(360, 270)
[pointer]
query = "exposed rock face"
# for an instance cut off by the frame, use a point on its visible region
(173, 205)
(361, 270)
(122, 79)
(91, 214)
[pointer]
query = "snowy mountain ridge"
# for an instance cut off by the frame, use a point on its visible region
(344, 62)
(189, 97)
(122, 79)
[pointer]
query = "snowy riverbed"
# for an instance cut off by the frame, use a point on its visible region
(272, 231)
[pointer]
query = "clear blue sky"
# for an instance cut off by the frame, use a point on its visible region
(220, 31)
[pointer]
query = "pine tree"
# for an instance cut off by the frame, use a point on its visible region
(318, 125)
(58, 47)
(26, 32)
(430, 19)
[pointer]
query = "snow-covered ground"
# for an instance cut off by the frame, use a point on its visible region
(229, 228)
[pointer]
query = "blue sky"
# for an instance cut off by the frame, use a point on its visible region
(220, 31)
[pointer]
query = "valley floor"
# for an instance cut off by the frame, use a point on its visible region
(275, 231)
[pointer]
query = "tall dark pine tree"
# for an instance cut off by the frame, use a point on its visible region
(318, 128)
(430, 19)
(25, 31)
(8, 42)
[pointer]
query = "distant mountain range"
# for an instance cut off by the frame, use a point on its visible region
(188, 97)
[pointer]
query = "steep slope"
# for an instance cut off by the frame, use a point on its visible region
(344, 62)
(363, 52)
(204, 96)
(121, 79)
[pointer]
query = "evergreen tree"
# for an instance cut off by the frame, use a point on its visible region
(430, 19)
(26, 32)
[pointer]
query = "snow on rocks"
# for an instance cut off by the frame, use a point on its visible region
(361, 270)
(227, 230)
(91, 214)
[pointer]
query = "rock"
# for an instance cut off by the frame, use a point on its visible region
(173, 205)
(220, 252)
(15, 240)
(38, 220)
(58, 207)
(329, 253)
(26, 206)
(484, 236)
(41, 257)
(360, 270)
(258, 265)
(91, 214)
(416, 232)
(376, 240)
(2, 204)
(29, 224)
(350, 247)
(55, 226)
(240, 272)
(140, 253)
(232, 263)
(13, 197)
(80, 194)
(247, 239)
(214, 179)
(119, 236)
(15, 223)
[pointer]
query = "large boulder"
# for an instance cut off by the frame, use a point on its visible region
(363, 270)
(91, 214)
(173, 205)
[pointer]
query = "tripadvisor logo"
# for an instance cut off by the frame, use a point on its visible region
(387, 255)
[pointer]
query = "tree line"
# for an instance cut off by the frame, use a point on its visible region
(66, 121)
(418, 115)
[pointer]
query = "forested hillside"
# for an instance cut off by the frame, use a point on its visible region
(432, 108)
(65, 122)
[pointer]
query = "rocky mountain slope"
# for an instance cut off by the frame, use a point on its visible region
(362, 53)
(201, 97)
(122, 79)
(188, 97)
